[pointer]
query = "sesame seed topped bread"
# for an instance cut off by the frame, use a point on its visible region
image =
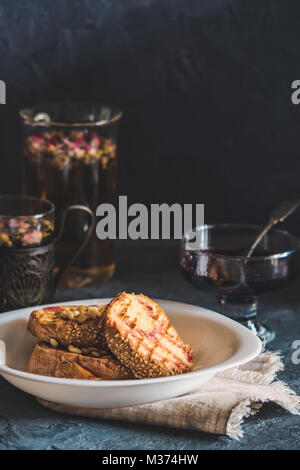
(141, 336)
(48, 360)
(78, 325)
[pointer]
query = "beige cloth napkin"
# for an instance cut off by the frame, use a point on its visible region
(219, 406)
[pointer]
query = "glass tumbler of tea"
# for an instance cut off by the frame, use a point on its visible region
(70, 157)
(27, 249)
(213, 258)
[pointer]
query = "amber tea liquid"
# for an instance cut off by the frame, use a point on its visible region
(74, 167)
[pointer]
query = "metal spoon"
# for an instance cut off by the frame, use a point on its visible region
(279, 214)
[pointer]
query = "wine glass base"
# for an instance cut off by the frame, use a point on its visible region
(264, 334)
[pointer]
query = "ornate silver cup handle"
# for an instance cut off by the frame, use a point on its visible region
(81, 246)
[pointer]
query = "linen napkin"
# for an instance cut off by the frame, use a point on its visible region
(219, 406)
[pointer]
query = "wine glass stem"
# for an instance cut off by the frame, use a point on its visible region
(240, 308)
(244, 310)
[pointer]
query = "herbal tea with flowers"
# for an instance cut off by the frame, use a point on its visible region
(28, 239)
(24, 232)
(74, 166)
(60, 147)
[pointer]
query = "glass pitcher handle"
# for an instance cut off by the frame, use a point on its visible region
(83, 244)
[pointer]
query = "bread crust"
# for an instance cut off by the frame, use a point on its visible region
(53, 362)
(141, 336)
(49, 323)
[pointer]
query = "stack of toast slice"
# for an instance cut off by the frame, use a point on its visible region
(131, 337)
(58, 362)
(141, 336)
(77, 325)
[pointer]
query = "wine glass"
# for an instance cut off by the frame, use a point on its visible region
(213, 258)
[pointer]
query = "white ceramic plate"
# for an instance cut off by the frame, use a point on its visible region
(218, 343)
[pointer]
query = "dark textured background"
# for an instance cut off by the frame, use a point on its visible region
(205, 86)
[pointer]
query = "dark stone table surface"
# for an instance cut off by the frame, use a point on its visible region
(152, 268)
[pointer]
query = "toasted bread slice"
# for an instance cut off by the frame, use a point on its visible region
(53, 362)
(78, 325)
(141, 336)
